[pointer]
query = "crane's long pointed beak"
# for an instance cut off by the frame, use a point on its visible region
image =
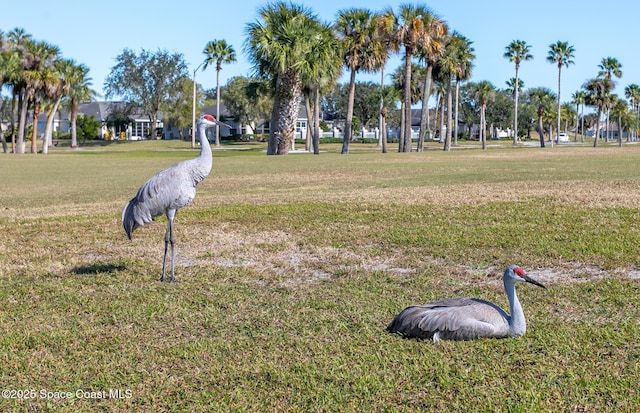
(532, 281)
(223, 124)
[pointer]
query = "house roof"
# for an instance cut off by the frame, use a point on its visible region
(224, 111)
(101, 110)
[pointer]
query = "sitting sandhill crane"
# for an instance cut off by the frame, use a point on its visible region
(464, 318)
(168, 191)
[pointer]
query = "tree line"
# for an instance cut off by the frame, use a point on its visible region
(297, 58)
(39, 80)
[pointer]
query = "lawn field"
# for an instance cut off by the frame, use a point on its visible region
(289, 268)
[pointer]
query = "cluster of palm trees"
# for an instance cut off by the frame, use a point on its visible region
(301, 55)
(39, 80)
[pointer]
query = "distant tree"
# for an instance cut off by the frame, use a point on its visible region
(598, 95)
(632, 92)
(484, 92)
(63, 69)
(465, 54)
(500, 112)
(248, 100)
(429, 53)
(543, 99)
(620, 110)
(79, 91)
(511, 86)
(610, 67)
(178, 112)
(87, 127)
(417, 27)
(578, 99)
(39, 79)
(218, 52)
(120, 115)
(148, 79)
(567, 113)
(561, 54)
(362, 50)
(455, 63)
(517, 51)
(399, 78)
(279, 46)
(320, 77)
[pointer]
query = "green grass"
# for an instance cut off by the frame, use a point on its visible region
(289, 269)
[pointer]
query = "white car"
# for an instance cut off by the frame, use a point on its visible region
(562, 137)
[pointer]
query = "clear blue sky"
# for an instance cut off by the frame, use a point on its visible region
(94, 33)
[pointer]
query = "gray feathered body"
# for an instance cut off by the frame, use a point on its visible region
(170, 189)
(461, 318)
(464, 318)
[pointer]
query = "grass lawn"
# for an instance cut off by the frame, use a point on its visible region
(289, 268)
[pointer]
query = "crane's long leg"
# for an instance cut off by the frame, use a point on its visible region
(167, 237)
(172, 240)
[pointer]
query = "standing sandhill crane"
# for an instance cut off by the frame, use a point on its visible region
(464, 318)
(169, 190)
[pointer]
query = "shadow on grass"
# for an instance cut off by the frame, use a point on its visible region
(101, 268)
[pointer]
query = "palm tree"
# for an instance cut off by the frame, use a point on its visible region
(560, 53)
(79, 91)
(632, 92)
(397, 80)
(483, 93)
(39, 78)
(609, 67)
(218, 52)
(417, 27)
(511, 86)
(599, 95)
(279, 47)
(362, 50)
(543, 99)
(10, 75)
(429, 53)
(386, 29)
(578, 98)
(64, 70)
(320, 77)
(462, 70)
(453, 64)
(620, 111)
(517, 51)
(16, 40)
(567, 113)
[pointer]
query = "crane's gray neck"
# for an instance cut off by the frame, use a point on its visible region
(517, 322)
(205, 159)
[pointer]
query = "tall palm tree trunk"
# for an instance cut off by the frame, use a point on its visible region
(597, 133)
(455, 122)
(447, 141)
(34, 134)
(515, 109)
(402, 128)
(349, 121)
(380, 116)
(424, 115)
(316, 132)
(407, 103)
(48, 130)
(285, 112)
(218, 68)
(22, 126)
